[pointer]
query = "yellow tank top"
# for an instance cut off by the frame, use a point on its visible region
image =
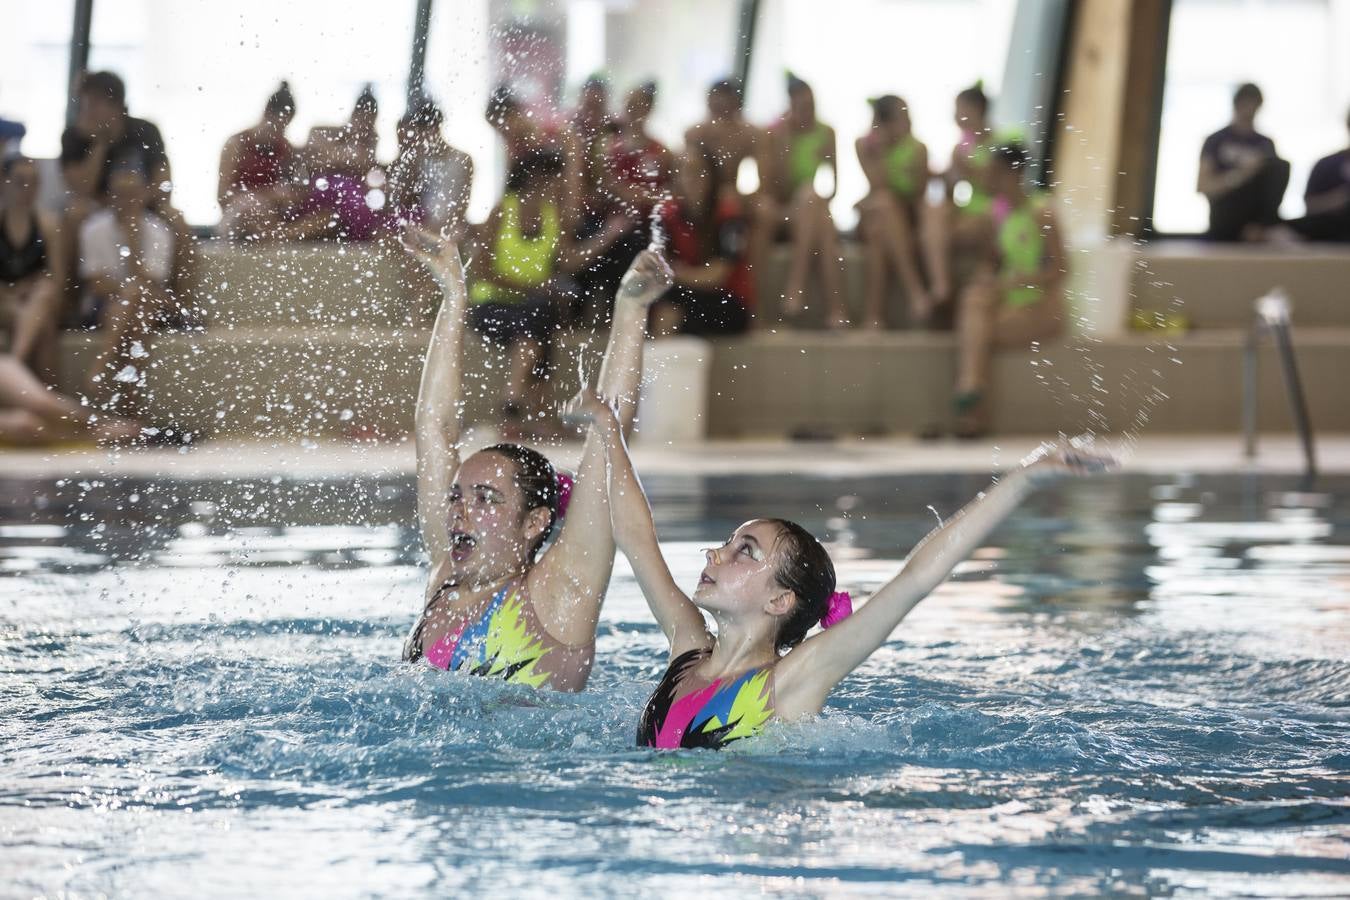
(519, 261)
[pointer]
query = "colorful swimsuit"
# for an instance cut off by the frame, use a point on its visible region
(712, 716)
(507, 641)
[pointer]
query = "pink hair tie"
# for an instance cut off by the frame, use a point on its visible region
(840, 608)
(564, 492)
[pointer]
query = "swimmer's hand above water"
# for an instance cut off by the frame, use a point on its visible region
(1050, 462)
(585, 409)
(648, 278)
(438, 254)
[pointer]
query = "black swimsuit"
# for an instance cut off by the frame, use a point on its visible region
(17, 263)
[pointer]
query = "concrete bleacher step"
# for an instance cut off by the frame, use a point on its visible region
(310, 285)
(298, 381)
(270, 381)
(1214, 285)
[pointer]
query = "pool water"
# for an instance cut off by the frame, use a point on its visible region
(1138, 686)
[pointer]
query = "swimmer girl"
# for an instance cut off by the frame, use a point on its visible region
(495, 604)
(766, 588)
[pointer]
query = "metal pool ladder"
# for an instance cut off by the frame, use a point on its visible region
(1272, 318)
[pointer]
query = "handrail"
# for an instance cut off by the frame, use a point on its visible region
(1273, 318)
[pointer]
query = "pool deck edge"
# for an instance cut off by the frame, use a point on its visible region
(1166, 454)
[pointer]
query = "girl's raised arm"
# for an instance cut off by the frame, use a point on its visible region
(569, 582)
(440, 403)
(807, 674)
(635, 533)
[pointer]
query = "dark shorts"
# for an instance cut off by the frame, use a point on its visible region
(708, 313)
(533, 318)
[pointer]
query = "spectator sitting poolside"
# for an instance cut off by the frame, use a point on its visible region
(430, 181)
(711, 295)
(893, 219)
(802, 146)
(592, 128)
(104, 138)
(723, 145)
(125, 268)
(1242, 175)
(30, 297)
(1016, 297)
(1327, 199)
(257, 186)
(345, 200)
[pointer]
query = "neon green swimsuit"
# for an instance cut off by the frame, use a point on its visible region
(806, 152)
(980, 200)
(1021, 245)
(899, 162)
(517, 260)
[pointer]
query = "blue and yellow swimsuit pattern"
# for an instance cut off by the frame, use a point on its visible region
(711, 717)
(500, 644)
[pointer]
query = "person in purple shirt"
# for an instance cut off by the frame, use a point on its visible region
(1242, 175)
(1327, 199)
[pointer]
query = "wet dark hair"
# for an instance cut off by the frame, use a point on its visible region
(730, 87)
(805, 569)
(535, 166)
(281, 101)
(1247, 91)
(1013, 155)
(501, 101)
(888, 108)
(537, 480)
(105, 86)
(795, 85)
(366, 102)
(976, 97)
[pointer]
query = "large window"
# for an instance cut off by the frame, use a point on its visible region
(923, 50)
(34, 65)
(202, 71)
(1297, 51)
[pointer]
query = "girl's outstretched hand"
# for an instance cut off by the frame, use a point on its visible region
(587, 408)
(439, 254)
(647, 279)
(1051, 462)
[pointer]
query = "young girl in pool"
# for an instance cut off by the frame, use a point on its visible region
(766, 588)
(495, 605)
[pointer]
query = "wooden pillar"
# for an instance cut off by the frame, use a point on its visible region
(1107, 142)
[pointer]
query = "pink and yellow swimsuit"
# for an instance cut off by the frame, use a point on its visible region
(713, 716)
(506, 641)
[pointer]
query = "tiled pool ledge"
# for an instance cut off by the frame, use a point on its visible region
(299, 458)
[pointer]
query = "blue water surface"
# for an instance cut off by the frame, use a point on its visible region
(1139, 686)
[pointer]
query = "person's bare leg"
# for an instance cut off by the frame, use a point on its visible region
(829, 257)
(764, 219)
(22, 428)
(898, 238)
(35, 325)
(20, 389)
(802, 222)
(936, 239)
(126, 324)
(874, 271)
(975, 334)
